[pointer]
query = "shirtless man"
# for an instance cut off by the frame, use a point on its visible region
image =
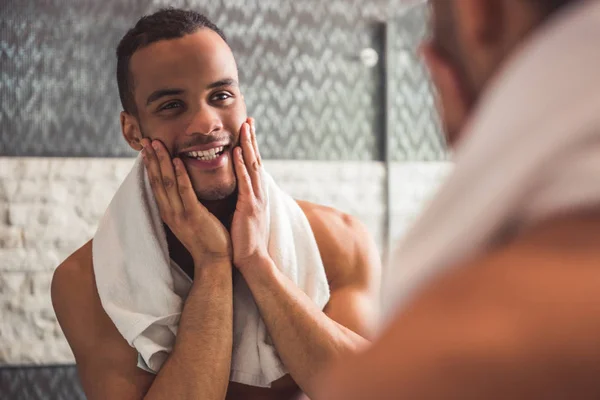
(178, 83)
(520, 319)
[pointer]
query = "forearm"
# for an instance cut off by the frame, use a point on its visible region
(508, 326)
(306, 339)
(471, 367)
(200, 362)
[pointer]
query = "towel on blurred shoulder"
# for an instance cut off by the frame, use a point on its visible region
(532, 151)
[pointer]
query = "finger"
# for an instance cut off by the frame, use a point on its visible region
(168, 176)
(155, 177)
(186, 190)
(243, 178)
(259, 191)
(252, 166)
(254, 140)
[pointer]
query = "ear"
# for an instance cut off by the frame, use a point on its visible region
(131, 130)
(481, 21)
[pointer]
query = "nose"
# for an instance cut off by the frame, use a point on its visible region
(205, 121)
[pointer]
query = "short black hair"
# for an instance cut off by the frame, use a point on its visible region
(549, 7)
(166, 23)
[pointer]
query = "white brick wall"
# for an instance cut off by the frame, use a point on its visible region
(50, 207)
(413, 185)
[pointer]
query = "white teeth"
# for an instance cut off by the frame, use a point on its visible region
(206, 155)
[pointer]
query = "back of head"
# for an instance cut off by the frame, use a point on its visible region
(165, 24)
(472, 40)
(549, 7)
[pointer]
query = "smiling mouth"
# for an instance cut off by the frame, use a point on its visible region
(206, 155)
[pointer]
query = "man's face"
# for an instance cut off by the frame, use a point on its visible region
(187, 96)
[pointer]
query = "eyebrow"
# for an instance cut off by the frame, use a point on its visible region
(162, 93)
(158, 94)
(223, 82)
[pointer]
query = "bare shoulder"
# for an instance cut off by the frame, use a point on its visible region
(527, 308)
(558, 258)
(72, 281)
(346, 246)
(553, 244)
(75, 299)
(107, 364)
(80, 262)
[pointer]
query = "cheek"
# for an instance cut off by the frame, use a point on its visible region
(234, 119)
(165, 131)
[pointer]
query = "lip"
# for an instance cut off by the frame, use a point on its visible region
(218, 162)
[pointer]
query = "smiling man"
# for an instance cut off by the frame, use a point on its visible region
(183, 108)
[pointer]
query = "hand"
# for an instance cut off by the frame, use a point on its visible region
(452, 102)
(195, 227)
(249, 225)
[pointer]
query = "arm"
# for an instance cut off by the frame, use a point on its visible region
(523, 323)
(200, 362)
(306, 338)
(202, 353)
(202, 350)
(198, 367)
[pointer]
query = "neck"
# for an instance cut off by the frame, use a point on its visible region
(222, 209)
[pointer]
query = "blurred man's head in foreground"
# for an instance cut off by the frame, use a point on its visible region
(470, 41)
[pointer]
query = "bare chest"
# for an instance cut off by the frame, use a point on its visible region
(238, 391)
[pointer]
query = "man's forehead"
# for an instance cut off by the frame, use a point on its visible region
(202, 55)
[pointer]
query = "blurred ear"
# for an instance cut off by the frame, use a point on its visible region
(452, 103)
(131, 130)
(481, 21)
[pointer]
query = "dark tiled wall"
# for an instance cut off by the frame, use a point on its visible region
(40, 383)
(413, 127)
(302, 81)
(298, 62)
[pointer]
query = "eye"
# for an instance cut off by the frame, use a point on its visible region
(170, 105)
(221, 96)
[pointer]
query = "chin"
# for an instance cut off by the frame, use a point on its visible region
(217, 185)
(217, 192)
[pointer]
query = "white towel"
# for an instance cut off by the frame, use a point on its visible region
(532, 151)
(143, 291)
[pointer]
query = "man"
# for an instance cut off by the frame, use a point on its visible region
(183, 108)
(518, 315)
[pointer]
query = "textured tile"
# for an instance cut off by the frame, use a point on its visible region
(43, 228)
(414, 130)
(29, 332)
(74, 193)
(412, 186)
(298, 65)
(56, 382)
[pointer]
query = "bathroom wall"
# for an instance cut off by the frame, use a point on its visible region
(332, 130)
